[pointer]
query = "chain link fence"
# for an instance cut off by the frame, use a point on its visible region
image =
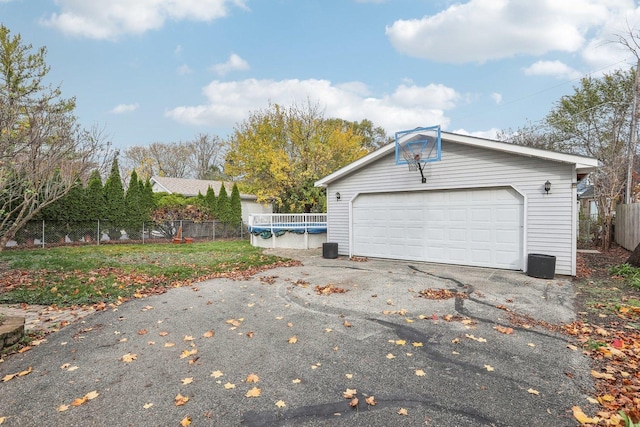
(589, 231)
(53, 233)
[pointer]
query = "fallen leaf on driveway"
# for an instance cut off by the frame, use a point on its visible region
(532, 391)
(350, 393)
(128, 358)
(9, 377)
(180, 400)
(293, 339)
(208, 334)
(582, 418)
(169, 344)
(229, 386)
(254, 392)
(370, 401)
(354, 402)
(280, 404)
(186, 381)
(187, 353)
(489, 368)
(390, 356)
(402, 411)
(420, 373)
(503, 329)
(186, 422)
(471, 337)
(216, 374)
(147, 405)
(252, 378)
(62, 408)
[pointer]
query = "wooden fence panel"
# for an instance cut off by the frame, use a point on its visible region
(628, 225)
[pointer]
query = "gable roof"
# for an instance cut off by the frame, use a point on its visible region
(191, 187)
(583, 164)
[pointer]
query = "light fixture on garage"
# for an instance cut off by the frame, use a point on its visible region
(547, 186)
(338, 196)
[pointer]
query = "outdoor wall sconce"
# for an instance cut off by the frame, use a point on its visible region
(547, 186)
(338, 196)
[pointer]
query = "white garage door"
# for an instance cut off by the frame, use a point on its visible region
(470, 227)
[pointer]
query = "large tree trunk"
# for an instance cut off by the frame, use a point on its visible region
(634, 259)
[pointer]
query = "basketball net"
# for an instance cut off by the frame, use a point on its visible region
(413, 160)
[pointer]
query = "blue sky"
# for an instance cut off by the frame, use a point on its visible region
(166, 70)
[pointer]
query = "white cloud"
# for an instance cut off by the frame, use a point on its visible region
(552, 68)
(497, 97)
(482, 30)
(178, 50)
(407, 107)
(233, 63)
(487, 134)
(184, 69)
(109, 19)
(124, 108)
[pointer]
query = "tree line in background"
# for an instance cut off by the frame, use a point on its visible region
(595, 121)
(276, 153)
(126, 210)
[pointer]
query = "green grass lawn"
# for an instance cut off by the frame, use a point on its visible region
(79, 275)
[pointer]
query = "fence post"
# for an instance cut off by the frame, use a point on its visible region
(143, 232)
(98, 236)
(42, 241)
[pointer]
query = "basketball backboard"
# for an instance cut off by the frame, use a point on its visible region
(419, 145)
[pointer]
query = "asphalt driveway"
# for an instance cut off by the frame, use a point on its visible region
(272, 351)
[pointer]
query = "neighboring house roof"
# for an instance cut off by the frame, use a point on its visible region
(587, 193)
(191, 187)
(583, 164)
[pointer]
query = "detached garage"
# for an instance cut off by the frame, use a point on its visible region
(479, 203)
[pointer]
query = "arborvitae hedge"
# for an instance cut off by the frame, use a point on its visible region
(114, 201)
(223, 208)
(235, 206)
(210, 200)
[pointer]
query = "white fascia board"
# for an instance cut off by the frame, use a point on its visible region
(581, 162)
(363, 161)
(166, 190)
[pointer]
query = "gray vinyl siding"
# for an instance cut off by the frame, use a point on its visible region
(548, 218)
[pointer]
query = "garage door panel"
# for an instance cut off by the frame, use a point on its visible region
(469, 227)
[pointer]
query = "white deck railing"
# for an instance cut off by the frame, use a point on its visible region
(274, 222)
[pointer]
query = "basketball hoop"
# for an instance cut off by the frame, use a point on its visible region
(417, 147)
(413, 161)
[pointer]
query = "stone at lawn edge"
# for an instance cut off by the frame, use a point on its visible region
(11, 331)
